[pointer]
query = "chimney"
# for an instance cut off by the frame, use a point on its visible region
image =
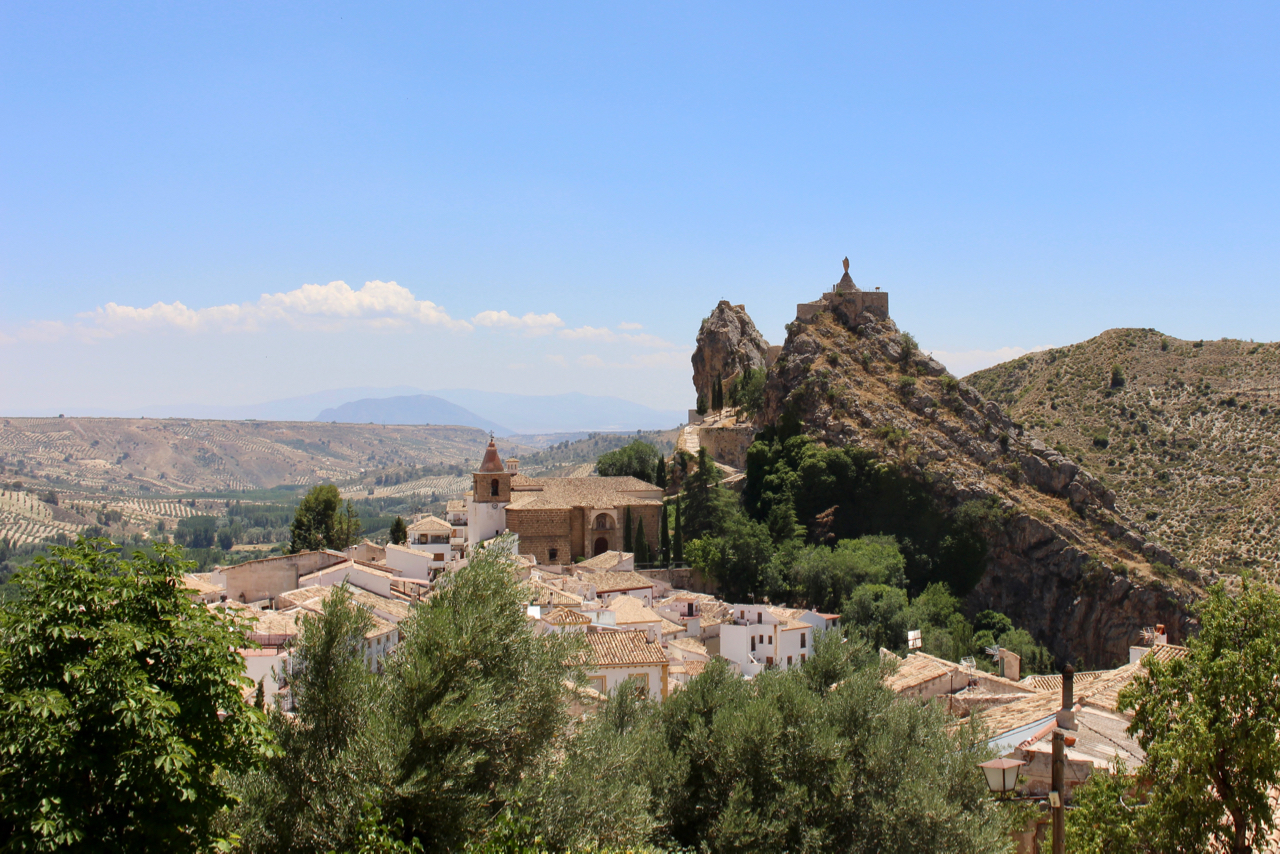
(1067, 715)
(1010, 665)
(513, 465)
(1161, 635)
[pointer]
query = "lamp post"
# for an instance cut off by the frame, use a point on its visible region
(1002, 775)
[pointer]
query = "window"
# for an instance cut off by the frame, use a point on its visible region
(802, 658)
(802, 640)
(753, 643)
(438, 556)
(788, 661)
(493, 486)
(551, 554)
(770, 640)
(759, 617)
(742, 615)
(690, 609)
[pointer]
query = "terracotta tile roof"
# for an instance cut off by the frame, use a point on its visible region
(612, 582)
(1053, 681)
(606, 649)
(430, 525)
(543, 594)
(670, 628)
(562, 616)
(694, 667)
(692, 645)
(1021, 712)
(631, 611)
(200, 585)
(492, 463)
(916, 670)
(549, 493)
(604, 560)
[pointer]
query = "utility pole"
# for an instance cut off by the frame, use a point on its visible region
(1058, 797)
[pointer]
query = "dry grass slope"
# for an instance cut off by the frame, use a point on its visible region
(1186, 433)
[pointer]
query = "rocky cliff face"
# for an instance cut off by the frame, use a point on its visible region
(1187, 431)
(728, 344)
(1067, 566)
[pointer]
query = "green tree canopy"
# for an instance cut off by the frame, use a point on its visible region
(120, 705)
(399, 532)
(823, 577)
(336, 752)
(1208, 723)
(638, 459)
(322, 521)
(476, 698)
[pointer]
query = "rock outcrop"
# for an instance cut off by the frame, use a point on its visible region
(1066, 565)
(728, 344)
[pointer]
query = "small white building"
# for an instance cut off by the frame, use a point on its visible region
(438, 538)
(614, 656)
(761, 636)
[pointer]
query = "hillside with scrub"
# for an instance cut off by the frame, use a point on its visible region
(1186, 433)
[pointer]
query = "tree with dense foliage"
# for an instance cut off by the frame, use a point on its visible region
(475, 698)
(707, 504)
(315, 525)
(664, 536)
(121, 705)
(1208, 724)
(747, 391)
(347, 526)
(660, 472)
(642, 552)
(816, 758)
(336, 751)
(638, 459)
(824, 577)
(677, 537)
(739, 557)
(398, 534)
(845, 493)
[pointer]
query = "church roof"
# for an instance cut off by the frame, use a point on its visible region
(551, 493)
(492, 463)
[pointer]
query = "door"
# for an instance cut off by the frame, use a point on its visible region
(602, 546)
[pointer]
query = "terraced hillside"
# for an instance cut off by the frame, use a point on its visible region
(150, 457)
(1187, 434)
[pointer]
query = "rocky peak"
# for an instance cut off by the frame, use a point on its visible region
(1066, 565)
(728, 344)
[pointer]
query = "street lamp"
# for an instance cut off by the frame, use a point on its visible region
(1002, 775)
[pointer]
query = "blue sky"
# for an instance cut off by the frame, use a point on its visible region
(561, 192)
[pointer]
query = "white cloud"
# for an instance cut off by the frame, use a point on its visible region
(534, 324)
(631, 325)
(644, 339)
(588, 333)
(557, 359)
(377, 305)
(966, 362)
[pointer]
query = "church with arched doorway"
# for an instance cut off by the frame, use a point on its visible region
(559, 519)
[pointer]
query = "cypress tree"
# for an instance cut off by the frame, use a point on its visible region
(702, 405)
(626, 530)
(642, 545)
(678, 545)
(660, 473)
(664, 537)
(717, 395)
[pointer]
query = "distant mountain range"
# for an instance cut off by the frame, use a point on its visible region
(522, 414)
(409, 409)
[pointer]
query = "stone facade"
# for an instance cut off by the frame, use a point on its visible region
(572, 534)
(846, 300)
